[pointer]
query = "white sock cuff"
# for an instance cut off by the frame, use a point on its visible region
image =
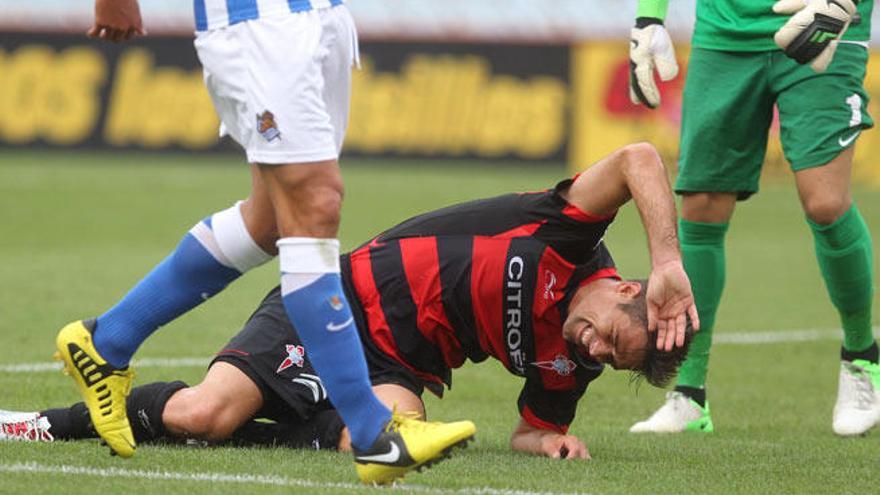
(292, 282)
(308, 255)
(206, 238)
(235, 241)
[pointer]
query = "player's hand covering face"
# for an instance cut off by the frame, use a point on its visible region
(117, 20)
(670, 300)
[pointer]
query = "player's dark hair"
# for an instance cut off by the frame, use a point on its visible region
(658, 367)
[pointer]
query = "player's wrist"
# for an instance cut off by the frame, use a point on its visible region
(666, 260)
(643, 22)
(664, 248)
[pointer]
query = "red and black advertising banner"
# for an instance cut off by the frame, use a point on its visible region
(441, 100)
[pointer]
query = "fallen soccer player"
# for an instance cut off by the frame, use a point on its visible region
(524, 278)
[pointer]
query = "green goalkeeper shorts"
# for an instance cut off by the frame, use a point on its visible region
(727, 110)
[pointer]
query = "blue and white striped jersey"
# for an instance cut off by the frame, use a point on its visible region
(213, 14)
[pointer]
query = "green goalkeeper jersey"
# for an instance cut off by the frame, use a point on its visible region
(749, 25)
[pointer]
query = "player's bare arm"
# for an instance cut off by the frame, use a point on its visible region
(117, 20)
(636, 172)
(529, 439)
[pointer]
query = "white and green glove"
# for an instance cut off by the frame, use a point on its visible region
(811, 35)
(650, 48)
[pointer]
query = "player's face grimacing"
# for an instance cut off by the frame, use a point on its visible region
(601, 329)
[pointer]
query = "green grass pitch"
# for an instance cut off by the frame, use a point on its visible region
(76, 230)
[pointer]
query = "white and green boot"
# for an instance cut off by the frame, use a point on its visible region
(679, 413)
(858, 398)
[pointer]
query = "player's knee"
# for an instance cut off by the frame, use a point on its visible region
(190, 415)
(641, 149)
(708, 207)
(642, 153)
(316, 205)
(326, 204)
(207, 421)
(398, 397)
(825, 209)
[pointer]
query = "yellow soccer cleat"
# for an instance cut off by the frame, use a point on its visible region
(102, 387)
(408, 444)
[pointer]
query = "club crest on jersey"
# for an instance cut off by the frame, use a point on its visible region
(295, 356)
(267, 127)
(560, 364)
(336, 302)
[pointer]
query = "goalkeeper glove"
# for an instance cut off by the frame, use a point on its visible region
(649, 48)
(811, 35)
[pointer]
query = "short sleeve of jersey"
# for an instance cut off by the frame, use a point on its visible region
(553, 409)
(573, 233)
(599, 263)
(545, 215)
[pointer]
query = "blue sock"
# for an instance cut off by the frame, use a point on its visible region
(182, 281)
(324, 321)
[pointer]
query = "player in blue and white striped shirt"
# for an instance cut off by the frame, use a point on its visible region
(279, 73)
(213, 14)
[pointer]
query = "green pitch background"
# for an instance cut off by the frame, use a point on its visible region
(76, 230)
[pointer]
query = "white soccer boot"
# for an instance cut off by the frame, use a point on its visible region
(24, 427)
(858, 398)
(679, 413)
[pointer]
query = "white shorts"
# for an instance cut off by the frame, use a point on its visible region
(282, 85)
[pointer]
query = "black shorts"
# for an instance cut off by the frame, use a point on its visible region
(269, 351)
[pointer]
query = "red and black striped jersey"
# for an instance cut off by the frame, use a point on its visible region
(491, 277)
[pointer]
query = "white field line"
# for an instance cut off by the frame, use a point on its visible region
(736, 338)
(53, 366)
(240, 479)
(781, 336)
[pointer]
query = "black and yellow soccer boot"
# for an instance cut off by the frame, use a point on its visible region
(407, 444)
(102, 387)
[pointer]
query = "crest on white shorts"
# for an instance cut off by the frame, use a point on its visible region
(267, 127)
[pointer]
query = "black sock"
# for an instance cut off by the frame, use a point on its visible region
(145, 405)
(871, 354)
(698, 395)
(321, 432)
(70, 423)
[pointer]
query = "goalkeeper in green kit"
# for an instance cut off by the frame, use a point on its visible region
(808, 58)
